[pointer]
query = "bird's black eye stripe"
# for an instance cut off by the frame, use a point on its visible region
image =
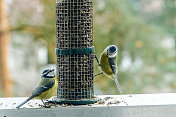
(46, 71)
(49, 76)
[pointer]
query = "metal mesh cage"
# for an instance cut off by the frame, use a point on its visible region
(74, 28)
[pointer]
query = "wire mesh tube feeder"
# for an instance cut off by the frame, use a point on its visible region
(75, 52)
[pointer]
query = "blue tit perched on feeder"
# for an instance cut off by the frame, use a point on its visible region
(46, 89)
(108, 63)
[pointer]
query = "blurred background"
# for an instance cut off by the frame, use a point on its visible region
(143, 30)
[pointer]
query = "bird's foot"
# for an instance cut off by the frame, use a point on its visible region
(47, 106)
(98, 74)
(50, 104)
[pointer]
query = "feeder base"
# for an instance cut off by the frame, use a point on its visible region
(76, 102)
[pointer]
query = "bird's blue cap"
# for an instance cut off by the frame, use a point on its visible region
(112, 49)
(46, 72)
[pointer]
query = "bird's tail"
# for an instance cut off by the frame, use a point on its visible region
(117, 83)
(24, 102)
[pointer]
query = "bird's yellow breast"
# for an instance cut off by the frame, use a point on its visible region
(104, 65)
(49, 93)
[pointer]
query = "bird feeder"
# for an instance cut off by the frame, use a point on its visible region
(75, 51)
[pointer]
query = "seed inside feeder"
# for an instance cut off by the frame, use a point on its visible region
(74, 22)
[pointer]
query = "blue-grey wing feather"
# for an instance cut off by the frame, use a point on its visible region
(44, 86)
(112, 65)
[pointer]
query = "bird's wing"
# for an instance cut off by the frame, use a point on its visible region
(112, 65)
(44, 85)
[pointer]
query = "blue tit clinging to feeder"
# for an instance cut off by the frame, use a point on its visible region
(108, 63)
(46, 89)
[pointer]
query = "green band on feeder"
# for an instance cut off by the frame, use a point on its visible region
(77, 51)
